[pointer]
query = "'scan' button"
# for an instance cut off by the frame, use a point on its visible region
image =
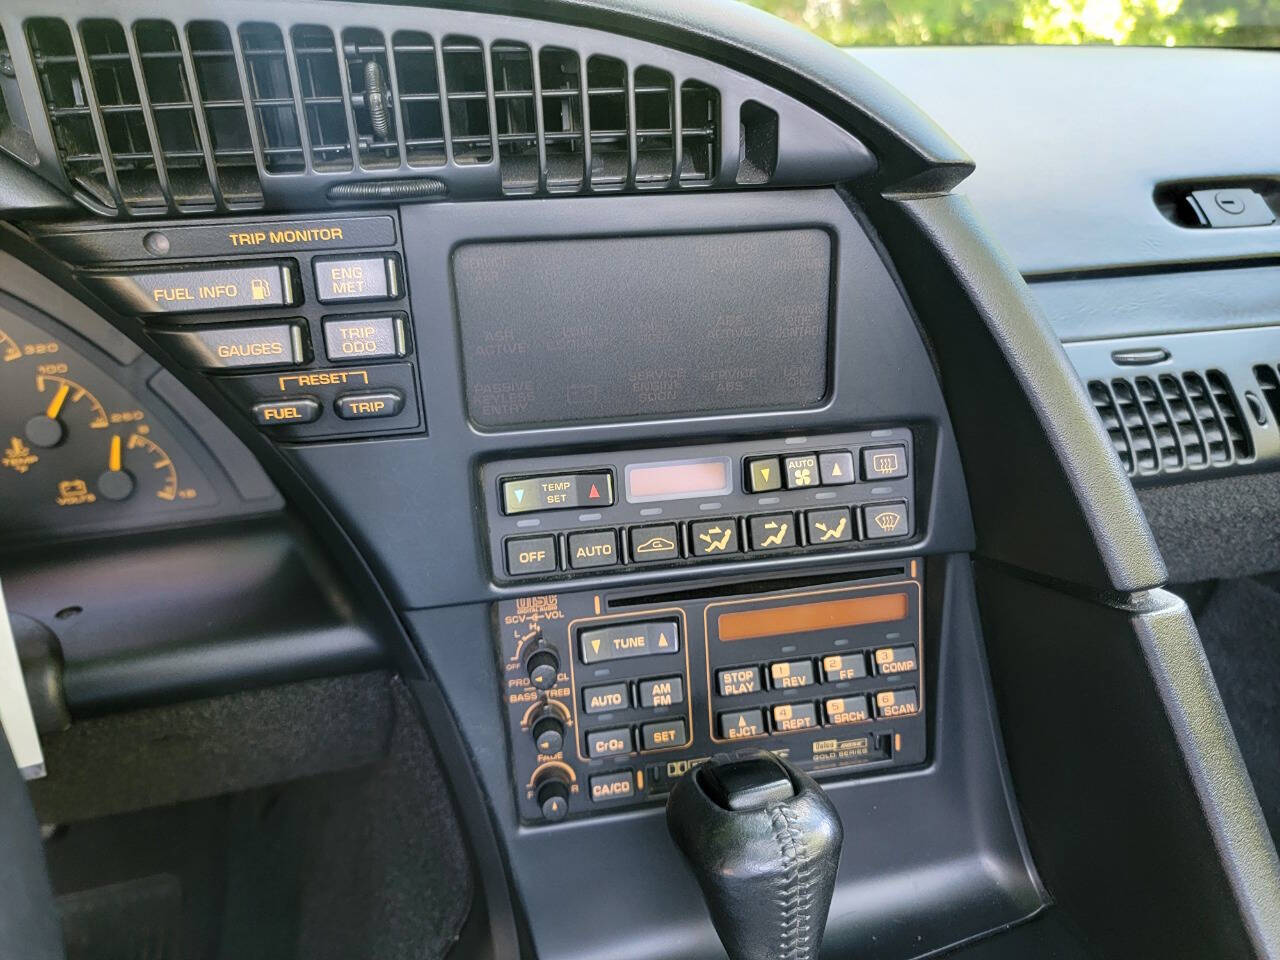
(367, 406)
(342, 279)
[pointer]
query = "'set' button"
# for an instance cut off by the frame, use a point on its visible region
(662, 735)
(611, 786)
(526, 555)
(235, 348)
(596, 548)
(269, 413)
(369, 406)
(364, 338)
(897, 703)
(342, 279)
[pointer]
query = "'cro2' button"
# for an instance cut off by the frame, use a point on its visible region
(368, 406)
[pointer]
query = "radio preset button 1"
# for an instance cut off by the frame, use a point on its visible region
(829, 526)
(605, 698)
(608, 743)
(650, 544)
(843, 666)
(836, 468)
(891, 660)
(842, 710)
(790, 717)
(364, 338)
(774, 531)
(791, 674)
(618, 785)
(526, 555)
(662, 735)
(897, 703)
(738, 681)
(369, 406)
(764, 474)
(711, 538)
(884, 520)
(741, 724)
(884, 463)
(661, 692)
(595, 548)
(269, 413)
(342, 279)
(620, 641)
(237, 348)
(562, 491)
(802, 471)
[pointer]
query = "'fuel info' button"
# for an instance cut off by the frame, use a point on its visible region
(231, 287)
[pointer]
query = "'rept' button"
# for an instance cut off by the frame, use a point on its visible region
(369, 406)
(232, 287)
(342, 279)
(662, 735)
(364, 338)
(272, 412)
(790, 717)
(235, 348)
(526, 555)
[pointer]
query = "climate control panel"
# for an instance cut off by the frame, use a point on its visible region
(611, 697)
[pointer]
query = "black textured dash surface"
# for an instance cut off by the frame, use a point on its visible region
(1240, 628)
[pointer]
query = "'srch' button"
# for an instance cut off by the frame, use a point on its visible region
(367, 406)
(235, 348)
(340, 279)
(561, 491)
(234, 287)
(272, 412)
(618, 641)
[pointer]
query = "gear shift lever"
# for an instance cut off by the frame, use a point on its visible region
(764, 842)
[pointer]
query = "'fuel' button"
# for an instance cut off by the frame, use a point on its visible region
(273, 412)
(367, 406)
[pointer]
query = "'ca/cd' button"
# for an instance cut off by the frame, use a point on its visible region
(368, 406)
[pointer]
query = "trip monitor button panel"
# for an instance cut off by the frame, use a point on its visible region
(829, 676)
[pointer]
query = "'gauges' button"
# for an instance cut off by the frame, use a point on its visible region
(364, 338)
(596, 548)
(526, 555)
(232, 287)
(369, 406)
(235, 348)
(341, 279)
(270, 413)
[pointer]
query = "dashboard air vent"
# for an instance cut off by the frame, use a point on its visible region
(1171, 423)
(1270, 385)
(155, 118)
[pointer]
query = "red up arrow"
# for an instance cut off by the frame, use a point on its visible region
(594, 494)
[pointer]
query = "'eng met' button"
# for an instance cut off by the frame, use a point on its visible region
(342, 279)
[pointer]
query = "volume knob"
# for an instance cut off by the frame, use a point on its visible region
(542, 664)
(548, 732)
(553, 798)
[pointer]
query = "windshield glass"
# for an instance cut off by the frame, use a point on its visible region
(1163, 23)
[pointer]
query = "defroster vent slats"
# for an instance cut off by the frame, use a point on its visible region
(156, 117)
(1170, 423)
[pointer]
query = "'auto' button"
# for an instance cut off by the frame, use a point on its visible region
(367, 406)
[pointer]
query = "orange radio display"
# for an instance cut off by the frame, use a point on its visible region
(802, 617)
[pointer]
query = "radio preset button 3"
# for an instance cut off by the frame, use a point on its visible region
(891, 660)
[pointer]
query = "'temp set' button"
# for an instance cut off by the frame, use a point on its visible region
(368, 406)
(235, 348)
(560, 491)
(197, 291)
(341, 279)
(364, 338)
(272, 412)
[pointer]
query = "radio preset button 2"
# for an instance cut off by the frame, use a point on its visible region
(843, 666)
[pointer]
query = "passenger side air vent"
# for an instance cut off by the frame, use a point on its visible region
(1269, 382)
(1169, 423)
(155, 118)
